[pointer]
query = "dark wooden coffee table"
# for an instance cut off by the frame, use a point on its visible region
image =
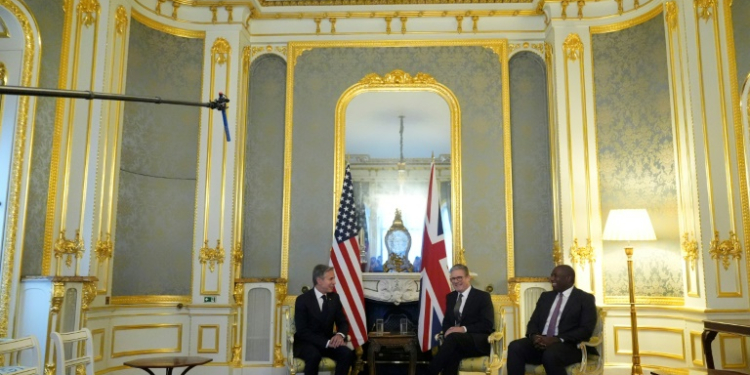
(711, 328)
(406, 341)
(169, 363)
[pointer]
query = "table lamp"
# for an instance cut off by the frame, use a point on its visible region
(630, 225)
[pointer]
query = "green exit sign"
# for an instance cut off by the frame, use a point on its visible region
(209, 299)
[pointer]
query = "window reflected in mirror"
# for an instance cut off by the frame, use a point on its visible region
(391, 138)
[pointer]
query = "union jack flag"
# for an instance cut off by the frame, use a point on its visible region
(435, 277)
(345, 262)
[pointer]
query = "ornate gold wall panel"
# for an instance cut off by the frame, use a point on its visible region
(177, 328)
(656, 337)
(295, 50)
(201, 335)
(98, 335)
(14, 193)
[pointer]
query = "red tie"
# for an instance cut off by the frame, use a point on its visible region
(555, 313)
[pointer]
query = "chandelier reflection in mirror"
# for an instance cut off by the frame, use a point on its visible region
(391, 177)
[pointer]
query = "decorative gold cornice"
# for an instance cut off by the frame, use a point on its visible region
(582, 254)
(333, 25)
(176, 31)
(212, 256)
(612, 27)
(540, 7)
(148, 300)
(557, 253)
(397, 77)
(104, 249)
(404, 19)
(69, 248)
(564, 13)
(220, 51)
(272, 3)
(89, 294)
(671, 10)
(573, 47)
(726, 250)
(620, 10)
(581, 4)
(460, 26)
(89, 11)
(690, 248)
(705, 7)
(121, 20)
(297, 52)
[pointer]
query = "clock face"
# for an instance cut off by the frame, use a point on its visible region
(398, 241)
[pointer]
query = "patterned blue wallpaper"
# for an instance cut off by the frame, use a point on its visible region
(264, 168)
(532, 188)
(157, 182)
(741, 23)
(636, 156)
(49, 17)
(473, 74)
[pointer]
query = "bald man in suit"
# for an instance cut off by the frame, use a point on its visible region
(562, 318)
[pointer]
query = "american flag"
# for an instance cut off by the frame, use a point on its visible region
(345, 261)
(435, 285)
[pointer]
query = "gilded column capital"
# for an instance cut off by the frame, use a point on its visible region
(89, 294)
(220, 51)
(705, 8)
(58, 294)
(88, 10)
(238, 293)
(671, 11)
(573, 47)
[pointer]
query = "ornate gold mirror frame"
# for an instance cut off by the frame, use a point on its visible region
(400, 81)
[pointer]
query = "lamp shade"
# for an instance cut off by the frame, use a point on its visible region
(628, 225)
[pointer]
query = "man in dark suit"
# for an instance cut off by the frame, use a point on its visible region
(315, 313)
(562, 318)
(469, 320)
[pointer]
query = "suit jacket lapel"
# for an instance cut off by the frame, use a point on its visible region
(572, 299)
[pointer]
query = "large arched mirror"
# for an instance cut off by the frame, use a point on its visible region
(389, 130)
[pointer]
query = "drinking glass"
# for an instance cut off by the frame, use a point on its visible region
(404, 326)
(379, 327)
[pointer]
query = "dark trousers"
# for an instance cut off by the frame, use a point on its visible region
(343, 356)
(554, 359)
(456, 347)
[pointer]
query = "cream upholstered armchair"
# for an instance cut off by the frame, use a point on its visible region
(591, 364)
(494, 362)
(296, 365)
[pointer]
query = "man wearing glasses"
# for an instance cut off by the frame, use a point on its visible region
(469, 320)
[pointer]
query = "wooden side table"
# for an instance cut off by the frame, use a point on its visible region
(393, 340)
(168, 363)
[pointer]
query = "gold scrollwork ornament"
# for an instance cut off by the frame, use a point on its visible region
(89, 294)
(220, 50)
(3, 75)
(238, 293)
(121, 20)
(397, 77)
(582, 254)
(690, 247)
(58, 294)
(557, 253)
(671, 10)
(104, 249)
(211, 256)
(69, 248)
(237, 355)
(725, 250)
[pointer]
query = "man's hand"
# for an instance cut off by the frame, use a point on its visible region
(542, 342)
(336, 341)
(458, 329)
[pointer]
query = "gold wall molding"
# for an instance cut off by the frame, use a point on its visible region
(738, 127)
(152, 327)
(696, 351)
(642, 329)
(149, 300)
(99, 354)
(104, 249)
(690, 249)
(121, 20)
(573, 47)
(645, 300)
(176, 31)
(723, 345)
(3, 74)
(201, 328)
(725, 250)
(617, 26)
(671, 14)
